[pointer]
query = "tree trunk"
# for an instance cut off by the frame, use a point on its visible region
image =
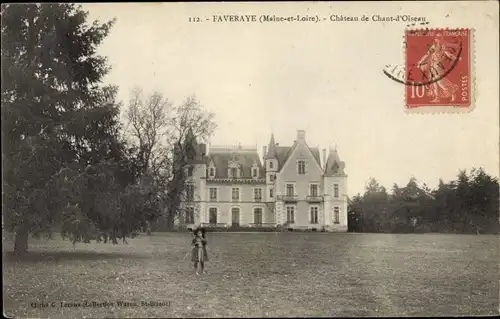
(169, 220)
(21, 241)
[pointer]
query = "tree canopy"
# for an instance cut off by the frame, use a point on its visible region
(63, 160)
(166, 137)
(469, 204)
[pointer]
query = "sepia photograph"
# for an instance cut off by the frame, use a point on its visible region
(250, 159)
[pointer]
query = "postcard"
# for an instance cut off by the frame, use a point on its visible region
(250, 159)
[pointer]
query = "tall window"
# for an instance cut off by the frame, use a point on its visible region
(314, 215)
(271, 164)
(190, 171)
(290, 214)
(271, 193)
(272, 177)
(289, 190)
(257, 194)
(301, 167)
(336, 215)
(235, 194)
(212, 218)
(190, 192)
(313, 190)
(235, 218)
(213, 193)
(234, 172)
(257, 216)
(212, 171)
(336, 190)
(254, 172)
(189, 215)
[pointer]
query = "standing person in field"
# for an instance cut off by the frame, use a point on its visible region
(199, 254)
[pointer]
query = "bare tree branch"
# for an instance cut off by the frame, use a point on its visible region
(161, 130)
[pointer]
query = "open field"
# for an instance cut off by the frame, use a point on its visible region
(260, 274)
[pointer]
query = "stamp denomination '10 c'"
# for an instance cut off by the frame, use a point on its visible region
(438, 68)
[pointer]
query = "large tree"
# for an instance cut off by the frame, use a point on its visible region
(56, 115)
(166, 136)
(374, 206)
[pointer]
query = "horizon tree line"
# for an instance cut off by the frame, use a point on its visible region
(468, 204)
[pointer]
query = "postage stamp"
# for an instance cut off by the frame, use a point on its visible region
(438, 70)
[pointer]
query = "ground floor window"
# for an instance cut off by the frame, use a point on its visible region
(336, 215)
(314, 215)
(257, 216)
(212, 215)
(189, 215)
(290, 214)
(235, 216)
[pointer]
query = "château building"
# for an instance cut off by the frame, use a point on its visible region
(291, 187)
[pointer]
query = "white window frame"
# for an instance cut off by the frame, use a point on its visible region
(217, 214)
(317, 189)
(272, 177)
(239, 194)
(293, 211)
(186, 215)
(216, 194)
(336, 214)
(261, 214)
(271, 193)
(311, 207)
(239, 214)
(336, 195)
(231, 175)
(298, 167)
(286, 189)
(255, 169)
(254, 197)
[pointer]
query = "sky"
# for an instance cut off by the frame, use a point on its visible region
(325, 78)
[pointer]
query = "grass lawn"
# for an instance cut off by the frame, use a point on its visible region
(259, 274)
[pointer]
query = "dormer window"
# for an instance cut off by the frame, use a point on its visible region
(255, 170)
(211, 170)
(190, 171)
(270, 164)
(234, 168)
(234, 172)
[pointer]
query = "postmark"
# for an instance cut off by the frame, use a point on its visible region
(438, 68)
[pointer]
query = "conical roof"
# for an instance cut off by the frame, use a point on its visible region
(271, 150)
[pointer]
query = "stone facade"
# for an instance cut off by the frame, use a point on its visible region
(291, 187)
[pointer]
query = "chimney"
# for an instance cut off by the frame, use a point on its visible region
(324, 157)
(264, 151)
(301, 135)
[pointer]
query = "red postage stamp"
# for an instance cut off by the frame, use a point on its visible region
(438, 68)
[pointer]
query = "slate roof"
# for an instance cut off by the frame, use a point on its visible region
(271, 150)
(283, 153)
(334, 165)
(246, 160)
